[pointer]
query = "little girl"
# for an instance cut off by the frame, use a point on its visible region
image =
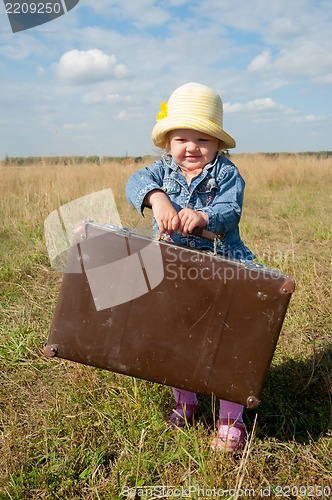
(193, 185)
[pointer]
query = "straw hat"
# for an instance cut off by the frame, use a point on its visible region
(192, 106)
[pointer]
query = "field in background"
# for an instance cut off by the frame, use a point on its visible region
(69, 431)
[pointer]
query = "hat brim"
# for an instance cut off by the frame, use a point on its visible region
(162, 127)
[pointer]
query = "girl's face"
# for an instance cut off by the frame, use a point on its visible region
(192, 149)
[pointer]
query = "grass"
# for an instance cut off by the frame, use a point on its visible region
(69, 431)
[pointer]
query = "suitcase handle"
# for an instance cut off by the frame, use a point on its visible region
(204, 233)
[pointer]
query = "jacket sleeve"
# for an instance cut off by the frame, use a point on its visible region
(143, 181)
(225, 210)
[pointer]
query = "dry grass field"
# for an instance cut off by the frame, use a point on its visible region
(69, 431)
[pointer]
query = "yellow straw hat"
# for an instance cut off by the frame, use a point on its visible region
(192, 106)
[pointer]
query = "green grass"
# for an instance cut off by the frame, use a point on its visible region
(69, 431)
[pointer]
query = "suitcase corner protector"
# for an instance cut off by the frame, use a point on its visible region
(288, 285)
(252, 402)
(50, 350)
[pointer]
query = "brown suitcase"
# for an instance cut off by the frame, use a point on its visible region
(168, 314)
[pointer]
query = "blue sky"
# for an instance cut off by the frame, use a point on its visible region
(91, 81)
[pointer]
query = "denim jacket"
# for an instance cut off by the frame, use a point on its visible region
(217, 191)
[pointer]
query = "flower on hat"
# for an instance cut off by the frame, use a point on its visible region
(163, 111)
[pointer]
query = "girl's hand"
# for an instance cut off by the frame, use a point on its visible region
(189, 219)
(165, 214)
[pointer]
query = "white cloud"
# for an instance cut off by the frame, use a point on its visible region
(20, 48)
(296, 37)
(286, 27)
(141, 12)
(307, 119)
(80, 67)
(95, 97)
(261, 62)
(75, 126)
(312, 58)
(122, 115)
(179, 3)
(263, 104)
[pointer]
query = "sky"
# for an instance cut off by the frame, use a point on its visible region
(91, 81)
